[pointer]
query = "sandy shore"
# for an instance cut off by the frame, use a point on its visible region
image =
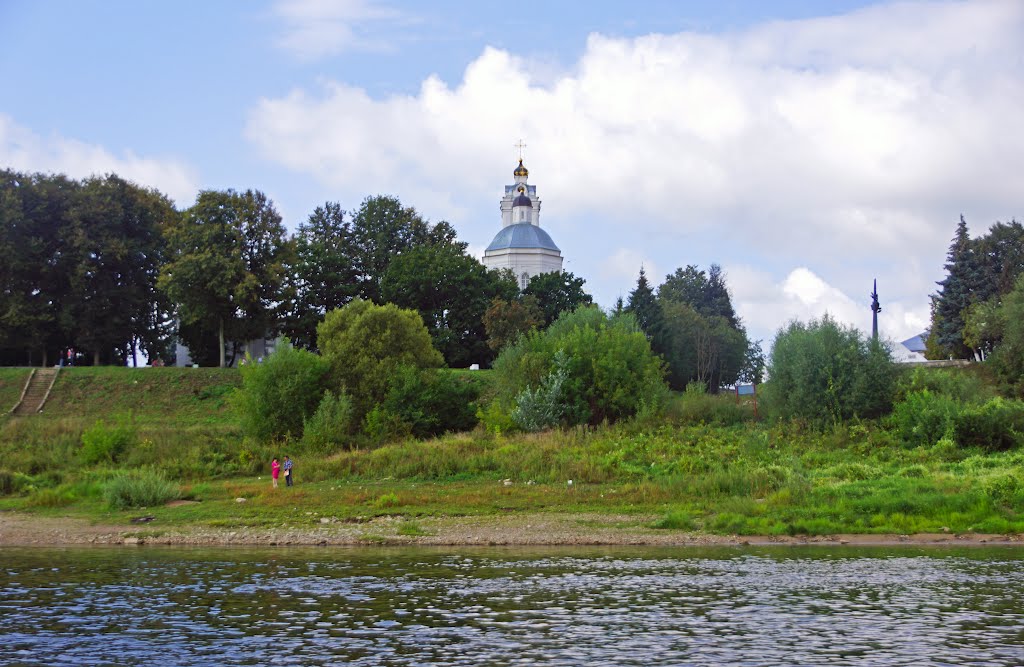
(511, 530)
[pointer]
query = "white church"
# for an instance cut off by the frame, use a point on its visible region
(522, 245)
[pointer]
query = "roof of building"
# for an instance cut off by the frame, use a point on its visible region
(521, 170)
(916, 343)
(522, 235)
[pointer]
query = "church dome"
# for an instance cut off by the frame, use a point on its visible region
(521, 170)
(522, 235)
(522, 200)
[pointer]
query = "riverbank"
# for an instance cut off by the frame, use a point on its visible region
(18, 529)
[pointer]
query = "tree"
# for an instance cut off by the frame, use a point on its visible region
(1000, 254)
(825, 372)
(705, 293)
(957, 292)
(383, 229)
(115, 248)
(700, 335)
(557, 292)
(1008, 357)
(451, 291)
(226, 265)
(323, 275)
(644, 306)
(505, 321)
(33, 274)
(366, 344)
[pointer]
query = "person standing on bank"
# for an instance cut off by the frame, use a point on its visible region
(275, 470)
(287, 471)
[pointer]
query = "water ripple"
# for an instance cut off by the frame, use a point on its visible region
(506, 607)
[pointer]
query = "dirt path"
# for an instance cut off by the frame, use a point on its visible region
(512, 530)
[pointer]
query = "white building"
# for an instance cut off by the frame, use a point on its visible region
(522, 245)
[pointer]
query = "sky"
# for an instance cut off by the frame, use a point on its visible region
(808, 147)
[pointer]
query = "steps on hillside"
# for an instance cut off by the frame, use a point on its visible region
(37, 392)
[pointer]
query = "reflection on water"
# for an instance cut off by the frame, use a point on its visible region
(788, 606)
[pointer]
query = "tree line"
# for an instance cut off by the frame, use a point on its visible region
(978, 310)
(106, 268)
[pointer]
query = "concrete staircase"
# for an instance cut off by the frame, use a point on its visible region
(37, 390)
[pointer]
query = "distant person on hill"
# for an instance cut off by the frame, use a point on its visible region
(275, 470)
(287, 471)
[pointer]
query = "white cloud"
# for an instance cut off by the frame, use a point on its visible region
(23, 150)
(846, 145)
(318, 28)
(765, 304)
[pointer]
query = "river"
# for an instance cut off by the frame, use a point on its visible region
(570, 606)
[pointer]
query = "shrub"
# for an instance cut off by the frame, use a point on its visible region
(431, 402)
(610, 371)
(1006, 489)
(676, 520)
(139, 488)
(495, 418)
(105, 443)
(59, 497)
(382, 426)
(281, 392)
(825, 372)
(541, 408)
(923, 417)
(959, 384)
(365, 345)
(696, 406)
(994, 426)
(330, 425)
(6, 482)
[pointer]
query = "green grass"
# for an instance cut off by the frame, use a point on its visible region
(12, 381)
(707, 467)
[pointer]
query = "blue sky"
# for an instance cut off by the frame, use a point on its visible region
(807, 147)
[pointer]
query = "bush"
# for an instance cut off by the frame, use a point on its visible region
(610, 371)
(431, 402)
(960, 384)
(281, 392)
(922, 418)
(696, 406)
(330, 425)
(994, 426)
(1006, 489)
(366, 344)
(825, 373)
(541, 408)
(103, 443)
(6, 483)
(139, 488)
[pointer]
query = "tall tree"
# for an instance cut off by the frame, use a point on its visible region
(383, 229)
(451, 291)
(957, 291)
(323, 275)
(115, 247)
(32, 212)
(701, 337)
(505, 321)
(644, 307)
(557, 292)
(226, 265)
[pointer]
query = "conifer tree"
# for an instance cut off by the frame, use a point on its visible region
(956, 293)
(644, 306)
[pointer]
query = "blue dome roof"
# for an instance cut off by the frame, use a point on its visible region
(522, 235)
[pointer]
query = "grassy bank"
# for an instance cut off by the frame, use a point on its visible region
(706, 466)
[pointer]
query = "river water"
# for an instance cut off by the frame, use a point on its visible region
(650, 607)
